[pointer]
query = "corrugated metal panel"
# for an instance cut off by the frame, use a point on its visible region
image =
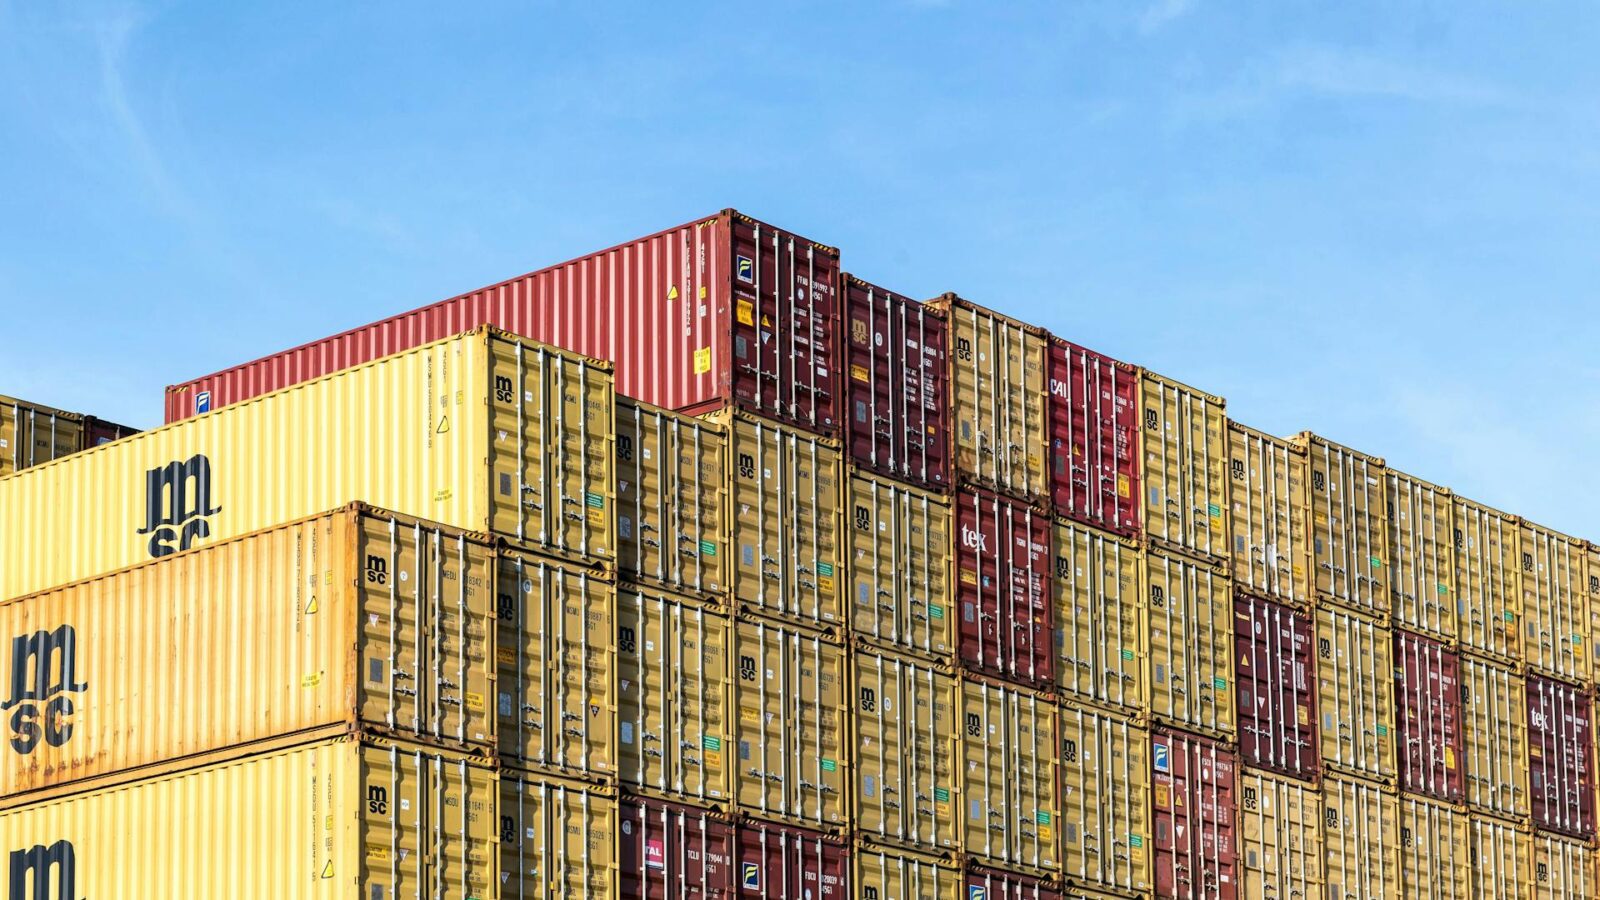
(1563, 869)
(1094, 438)
(775, 861)
(1501, 858)
(884, 873)
(1349, 525)
(1435, 858)
(1361, 830)
(99, 431)
(557, 838)
(1355, 692)
(1105, 800)
(1101, 632)
(1193, 801)
(1270, 520)
(1553, 602)
(994, 884)
(1428, 692)
(31, 434)
(1488, 561)
(1010, 782)
(671, 852)
(906, 741)
(1591, 580)
(896, 385)
(672, 510)
(899, 568)
(1185, 442)
(789, 691)
(1191, 645)
(1277, 687)
(674, 719)
(1280, 836)
(1422, 568)
(1494, 700)
(1003, 587)
(1561, 757)
(389, 820)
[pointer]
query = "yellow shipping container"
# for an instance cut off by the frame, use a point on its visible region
(31, 434)
(1349, 531)
(1105, 800)
(672, 506)
(1591, 581)
(1268, 479)
(1435, 859)
(330, 820)
(1280, 837)
(1563, 869)
(673, 696)
(898, 562)
(1488, 562)
(1009, 747)
(1185, 440)
(1191, 645)
(907, 752)
(1501, 858)
(1555, 614)
(1355, 694)
(557, 838)
(1362, 834)
(1422, 567)
(1494, 732)
(886, 873)
(1102, 646)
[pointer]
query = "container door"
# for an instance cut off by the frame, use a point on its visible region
(672, 516)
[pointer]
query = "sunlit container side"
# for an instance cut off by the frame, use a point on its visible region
(329, 820)
(1191, 645)
(906, 740)
(1094, 438)
(721, 310)
(1355, 693)
(1194, 791)
(672, 510)
(1105, 800)
(1010, 782)
(1185, 464)
(785, 496)
(1488, 563)
(670, 851)
(984, 883)
(1502, 858)
(1561, 757)
(789, 696)
(1428, 692)
(1435, 857)
(1421, 562)
(1101, 631)
(891, 873)
(1591, 581)
(558, 838)
(1349, 525)
(777, 861)
(1494, 703)
(673, 714)
(1268, 480)
(31, 434)
(1280, 836)
(1003, 563)
(1361, 831)
(997, 400)
(1555, 611)
(1563, 869)
(896, 385)
(898, 563)
(1276, 673)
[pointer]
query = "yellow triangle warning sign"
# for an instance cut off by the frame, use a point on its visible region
(311, 608)
(1244, 660)
(444, 424)
(672, 292)
(765, 322)
(327, 870)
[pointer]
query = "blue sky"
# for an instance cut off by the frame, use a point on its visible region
(1377, 221)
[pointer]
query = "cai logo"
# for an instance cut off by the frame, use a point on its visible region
(1161, 754)
(177, 499)
(43, 678)
(750, 876)
(43, 866)
(202, 402)
(745, 268)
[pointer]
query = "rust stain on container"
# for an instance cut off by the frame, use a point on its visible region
(1105, 800)
(896, 385)
(1494, 702)
(1269, 480)
(1191, 644)
(1563, 869)
(1488, 564)
(672, 509)
(1561, 757)
(1194, 791)
(1010, 783)
(1276, 670)
(1094, 438)
(1355, 692)
(1435, 859)
(1003, 564)
(898, 562)
(1185, 441)
(1280, 836)
(1362, 834)
(1501, 858)
(557, 838)
(1422, 567)
(1555, 615)
(888, 873)
(1101, 626)
(669, 851)
(1349, 525)
(1428, 692)
(907, 744)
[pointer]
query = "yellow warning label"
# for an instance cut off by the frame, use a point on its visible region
(596, 516)
(702, 360)
(1300, 713)
(327, 870)
(968, 576)
(474, 701)
(825, 584)
(672, 292)
(702, 292)
(444, 425)
(506, 656)
(1449, 758)
(1046, 833)
(311, 608)
(859, 373)
(377, 851)
(1163, 796)
(312, 680)
(746, 313)
(765, 322)
(1123, 489)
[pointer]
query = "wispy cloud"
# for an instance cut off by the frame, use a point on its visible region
(1162, 12)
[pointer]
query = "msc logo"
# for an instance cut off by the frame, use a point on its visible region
(41, 864)
(177, 500)
(43, 675)
(973, 539)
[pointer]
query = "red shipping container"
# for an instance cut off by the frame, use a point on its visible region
(778, 861)
(99, 431)
(722, 310)
(896, 386)
(1003, 587)
(668, 851)
(1560, 765)
(993, 884)
(1094, 431)
(1195, 848)
(1276, 676)
(1428, 697)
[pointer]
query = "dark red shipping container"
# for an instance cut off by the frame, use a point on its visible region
(667, 851)
(1560, 760)
(99, 431)
(723, 309)
(1195, 848)
(778, 861)
(896, 386)
(993, 884)
(1003, 587)
(1094, 431)
(1427, 680)
(1276, 676)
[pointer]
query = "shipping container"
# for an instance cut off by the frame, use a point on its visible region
(984, 883)
(998, 400)
(419, 433)
(887, 873)
(1102, 642)
(781, 862)
(98, 431)
(558, 838)
(1010, 782)
(1428, 691)
(1003, 565)
(673, 696)
(1563, 869)
(669, 851)
(789, 694)
(1488, 563)
(1554, 610)
(357, 618)
(1355, 693)
(1094, 438)
(1501, 857)
(906, 740)
(332, 819)
(1361, 830)
(723, 310)
(898, 564)
(1191, 644)
(1185, 462)
(1276, 673)
(1349, 525)
(785, 496)
(1268, 479)
(1280, 836)
(1422, 567)
(1435, 858)
(1193, 805)
(1591, 580)
(31, 434)
(673, 524)
(1105, 800)
(896, 385)
(557, 652)
(1561, 757)
(1494, 704)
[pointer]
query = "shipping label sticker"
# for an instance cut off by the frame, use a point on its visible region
(1124, 487)
(474, 701)
(1163, 800)
(312, 680)
(745, 312)
(702, 360)
(860, 373)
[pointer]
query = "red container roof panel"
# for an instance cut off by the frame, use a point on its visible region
(896, 385)
(779, 861)
(1193, 786)
(1094, 430)
(1560, 757)
(1003, 587)
(1275, 674)
(1432, 743)
(668, 851)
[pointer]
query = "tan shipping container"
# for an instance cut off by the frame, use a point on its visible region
(1349, 532)
(1105, 800)
(1355, 694)
(906, 740)
(1268, 481)
(1280, 836)
(1555, 613)
(898, 565)
(1488, 562)
(672, 499)
(1422, 571)
(1361, 830)
(356, 618)
(31, 434)
(330, 820)
(1494, 732)
(793, 764)
(890, 873)
(1563, 869)
(1435, 858)
(558, 838)
(1102, 642)
(1185, 440)
(673, 696)
(1191, 645)
(1009, 776)
(1501, 858)
(1591, 581)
